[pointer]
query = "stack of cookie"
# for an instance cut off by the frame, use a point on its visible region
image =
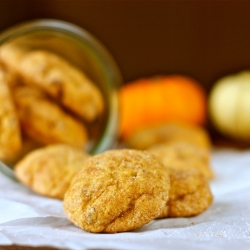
(47, 106)
(184, 149)
(45, 100)
(122, 189)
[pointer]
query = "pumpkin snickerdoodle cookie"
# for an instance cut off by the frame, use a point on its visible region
(118, 190)
(49, 170)
(184, 156)
(55, 75)
(168, 133)
(45, 121)
(189, 195)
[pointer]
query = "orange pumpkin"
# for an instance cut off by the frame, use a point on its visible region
(149, 101)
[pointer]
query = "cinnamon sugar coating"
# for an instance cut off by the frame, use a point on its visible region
(117, 191)
(49, 170)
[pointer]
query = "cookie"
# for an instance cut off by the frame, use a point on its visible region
(10, 133)
(44, 121)
(116, 191)
(11, 56)
(183, 155)
(55, 75)
(49, 170)
(169, 132)
(64, 82)
(189, 194)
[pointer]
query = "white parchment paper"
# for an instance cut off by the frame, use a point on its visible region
(32, 220)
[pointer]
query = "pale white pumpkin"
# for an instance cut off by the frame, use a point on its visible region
(229, 105)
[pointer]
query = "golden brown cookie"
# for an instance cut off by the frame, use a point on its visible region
(189, 194)
(55, 75)
(68, 85)
(10, 134)
(49, 170)
(10, 57)
(169, 132)
(183, 155)
(116, 191)
(44, 121)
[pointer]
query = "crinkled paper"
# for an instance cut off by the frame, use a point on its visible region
(32, 220)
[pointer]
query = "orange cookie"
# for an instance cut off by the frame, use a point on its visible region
(169, 132)
(189, 194)
(10, 134)
(117, 191)
(49, 170)
(184, 156)
(44, 121)
(61, 80)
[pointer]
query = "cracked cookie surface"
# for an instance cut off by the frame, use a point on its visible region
(116, 191)
(189, 194)
(49, 170)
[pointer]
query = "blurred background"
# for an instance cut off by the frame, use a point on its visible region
(203, 39)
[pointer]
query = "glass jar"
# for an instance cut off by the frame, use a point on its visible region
(84, 51)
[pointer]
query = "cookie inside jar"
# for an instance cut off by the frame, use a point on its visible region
(62, 84)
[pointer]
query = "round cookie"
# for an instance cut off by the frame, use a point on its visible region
(116, 191)
(183, 155)
(169, 132)
(189, 194)
(64, 82)
(49, 170)
(45, 121)
(51, 72)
